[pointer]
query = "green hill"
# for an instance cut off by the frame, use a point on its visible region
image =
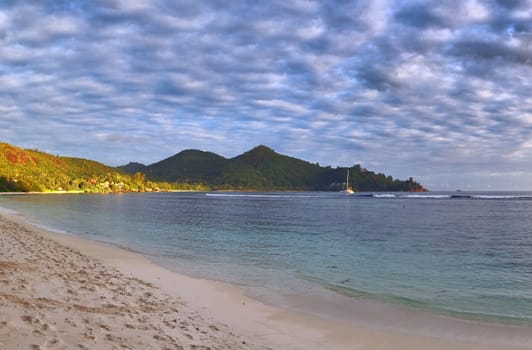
(23, 170)
(263, 169)
(188, 166)
(132, 168)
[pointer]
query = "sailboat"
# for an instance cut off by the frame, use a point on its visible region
(348, 190)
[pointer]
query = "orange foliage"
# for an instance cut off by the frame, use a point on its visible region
(17, 157)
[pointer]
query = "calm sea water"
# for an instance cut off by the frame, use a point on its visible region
(467, 254)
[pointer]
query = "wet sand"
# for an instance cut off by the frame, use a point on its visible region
(63, 292)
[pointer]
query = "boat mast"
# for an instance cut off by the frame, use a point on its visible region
(347, 180)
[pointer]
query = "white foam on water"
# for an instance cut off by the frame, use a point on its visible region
(500, 197)
(254, 195)
(437, 196)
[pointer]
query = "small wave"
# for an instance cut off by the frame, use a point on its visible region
(33, 222)
(49, 228)
(236, 195)
(254, 195)
(420, 304)
(500, 197)
(377, 196)
(8, 211)
(456, 196)
(436, 196)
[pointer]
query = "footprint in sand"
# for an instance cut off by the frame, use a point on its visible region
(104, 326)
(70, 322)
(26, 318)
(54, 343)
(47, 327)
(37, 333)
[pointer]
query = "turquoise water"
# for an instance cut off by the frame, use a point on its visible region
(462, 254)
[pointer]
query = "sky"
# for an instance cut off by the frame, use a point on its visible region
(437, 90)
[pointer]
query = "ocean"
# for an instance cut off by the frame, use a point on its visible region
(463, 254)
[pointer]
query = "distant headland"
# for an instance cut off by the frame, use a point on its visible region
(259, 169)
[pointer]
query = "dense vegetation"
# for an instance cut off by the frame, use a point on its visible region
(259, 169)
(30, 170)
(264, 170)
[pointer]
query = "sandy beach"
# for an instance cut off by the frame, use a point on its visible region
(63, 292)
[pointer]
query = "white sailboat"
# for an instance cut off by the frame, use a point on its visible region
(348, 189)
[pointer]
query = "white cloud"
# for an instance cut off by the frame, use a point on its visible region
(280, 104)
(474, 10)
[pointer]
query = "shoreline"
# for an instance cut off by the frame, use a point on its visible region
(304, 326)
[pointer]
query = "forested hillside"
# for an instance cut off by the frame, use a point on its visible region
(23, 170)
(262, 169)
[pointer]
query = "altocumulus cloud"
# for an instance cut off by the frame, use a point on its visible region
(439, 90)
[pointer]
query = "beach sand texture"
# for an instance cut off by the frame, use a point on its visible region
(53, 296)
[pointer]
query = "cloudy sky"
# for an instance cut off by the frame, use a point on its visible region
(437, 90)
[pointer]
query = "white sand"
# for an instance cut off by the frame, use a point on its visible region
(64, 292)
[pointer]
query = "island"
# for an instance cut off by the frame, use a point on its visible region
(259, 169)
